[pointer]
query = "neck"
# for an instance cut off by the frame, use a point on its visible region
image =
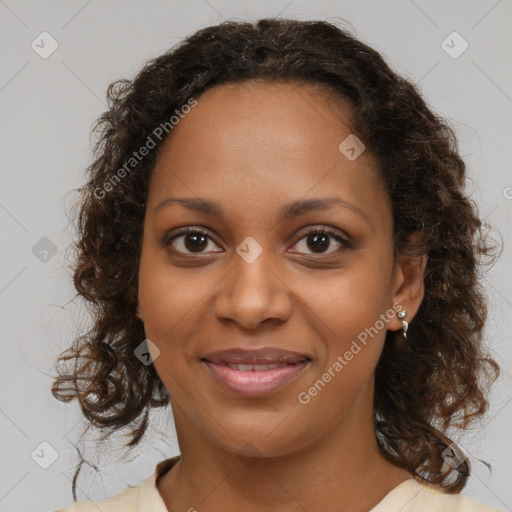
(344, 467)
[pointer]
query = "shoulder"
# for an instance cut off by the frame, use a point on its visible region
(127, 501)
(413, 496)
(143, 498)
(434, 499)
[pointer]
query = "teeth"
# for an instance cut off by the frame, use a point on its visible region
(255, 367)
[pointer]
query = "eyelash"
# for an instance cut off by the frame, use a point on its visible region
(346, 243)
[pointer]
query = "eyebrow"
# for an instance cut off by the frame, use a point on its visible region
(288, 211)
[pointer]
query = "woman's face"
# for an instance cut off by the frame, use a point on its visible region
(258, 278)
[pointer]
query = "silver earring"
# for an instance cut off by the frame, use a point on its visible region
(405, 325)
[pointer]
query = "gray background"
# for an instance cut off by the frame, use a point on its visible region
(47, 109)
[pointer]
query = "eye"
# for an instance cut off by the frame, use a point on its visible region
(193, 240)
(317, 239)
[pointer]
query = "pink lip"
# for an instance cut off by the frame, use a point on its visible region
(264, 355)
(255, 383)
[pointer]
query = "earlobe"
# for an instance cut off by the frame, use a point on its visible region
(405, 324)
(411, 290)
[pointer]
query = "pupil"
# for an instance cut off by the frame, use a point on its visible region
(316, 239)
(195, 245)
(318, 242)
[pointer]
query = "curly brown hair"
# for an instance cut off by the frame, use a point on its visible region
(422, 387)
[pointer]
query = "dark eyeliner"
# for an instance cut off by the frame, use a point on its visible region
(331, 232)
(343, 240)
(168, 237)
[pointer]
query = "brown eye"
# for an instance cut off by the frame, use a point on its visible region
(190, 240)
(318, 241)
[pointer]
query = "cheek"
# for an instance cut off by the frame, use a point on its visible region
(173, 303)
(169, 305)
(350, 317)
(163, 299)
(348, 300)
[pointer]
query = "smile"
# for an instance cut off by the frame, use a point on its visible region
(254, 380)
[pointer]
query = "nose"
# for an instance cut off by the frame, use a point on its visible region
(252, 292)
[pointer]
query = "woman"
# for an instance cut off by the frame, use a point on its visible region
(275, 239)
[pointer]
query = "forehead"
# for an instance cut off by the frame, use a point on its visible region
(260, 141)
(299, 118)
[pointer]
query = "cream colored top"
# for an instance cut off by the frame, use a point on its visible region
(409, 496)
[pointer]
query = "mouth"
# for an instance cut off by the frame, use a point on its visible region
(255, 380)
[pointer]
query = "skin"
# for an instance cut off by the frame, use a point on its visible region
(251, 148)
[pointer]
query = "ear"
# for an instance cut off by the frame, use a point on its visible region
(408, 287)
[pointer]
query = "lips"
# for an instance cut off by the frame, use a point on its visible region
(255, 373)
(254, 367)
(263, 356)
